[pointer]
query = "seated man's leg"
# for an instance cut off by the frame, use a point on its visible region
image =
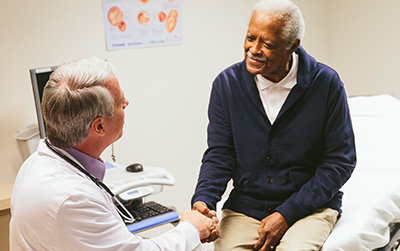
(238, 232)
(309, 233)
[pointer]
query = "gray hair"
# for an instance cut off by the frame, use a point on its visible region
(288, 12)
(73, 97)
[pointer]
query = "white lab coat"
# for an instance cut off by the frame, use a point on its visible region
(56, 207)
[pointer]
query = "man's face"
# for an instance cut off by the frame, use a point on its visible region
(265, 49)
(114, 125)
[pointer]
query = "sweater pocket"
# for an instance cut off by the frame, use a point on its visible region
(245, 182)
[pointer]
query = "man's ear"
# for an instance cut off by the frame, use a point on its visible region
(295, 45)
(97, 126)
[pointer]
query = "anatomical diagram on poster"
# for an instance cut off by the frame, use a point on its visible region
(142, 23)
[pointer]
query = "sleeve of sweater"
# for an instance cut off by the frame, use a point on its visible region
(219, 159)
(337, 161)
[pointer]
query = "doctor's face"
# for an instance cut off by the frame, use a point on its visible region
(265, 48)
(115, 123)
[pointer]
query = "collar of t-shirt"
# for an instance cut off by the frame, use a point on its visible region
(273, 95)
(95, 167)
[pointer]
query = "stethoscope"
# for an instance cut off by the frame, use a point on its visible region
(126, 216)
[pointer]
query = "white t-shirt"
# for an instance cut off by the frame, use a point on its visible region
(56, 207)
(273, 95)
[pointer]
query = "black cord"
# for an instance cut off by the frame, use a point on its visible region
(69, 160)
(99, 183)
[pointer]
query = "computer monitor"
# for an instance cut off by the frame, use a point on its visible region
(39, 78)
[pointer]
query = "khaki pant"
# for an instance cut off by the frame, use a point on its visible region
(238, 232)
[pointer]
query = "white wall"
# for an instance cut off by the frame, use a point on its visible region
(364, 45)
(169, 87)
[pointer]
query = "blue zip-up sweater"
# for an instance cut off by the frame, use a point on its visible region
(294, 166)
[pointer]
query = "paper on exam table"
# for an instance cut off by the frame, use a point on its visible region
(371, 201)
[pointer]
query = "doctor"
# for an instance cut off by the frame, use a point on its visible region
(58, 201)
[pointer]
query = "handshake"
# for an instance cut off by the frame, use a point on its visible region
(204, 219)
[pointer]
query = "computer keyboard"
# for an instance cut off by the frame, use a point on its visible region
(150, 214)
(148, 209)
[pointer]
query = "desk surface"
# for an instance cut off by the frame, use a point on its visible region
(5, 196)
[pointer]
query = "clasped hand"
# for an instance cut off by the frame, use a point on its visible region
(211, 214)
(271, 230)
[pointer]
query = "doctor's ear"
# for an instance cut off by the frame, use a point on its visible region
(97, 125)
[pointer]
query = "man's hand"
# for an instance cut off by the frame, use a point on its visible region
(202, 208)
(271, 231)
(206, 226)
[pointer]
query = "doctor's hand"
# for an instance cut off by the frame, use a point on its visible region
(202, 208)
(271, 230)
(205, 225)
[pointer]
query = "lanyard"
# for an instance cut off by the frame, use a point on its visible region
(126, 216)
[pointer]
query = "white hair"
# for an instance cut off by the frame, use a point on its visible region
(76, 94)
(289, 13)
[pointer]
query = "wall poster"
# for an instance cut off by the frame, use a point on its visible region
(142, 23)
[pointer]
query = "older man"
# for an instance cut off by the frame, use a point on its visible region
(58, 201)
(279, 126)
